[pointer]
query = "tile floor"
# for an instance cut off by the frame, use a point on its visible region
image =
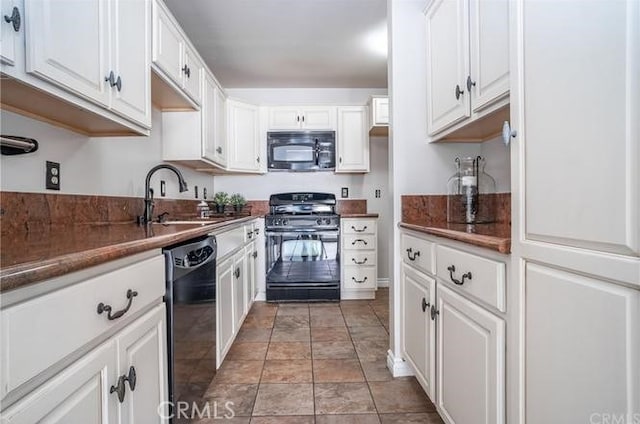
(313, 363)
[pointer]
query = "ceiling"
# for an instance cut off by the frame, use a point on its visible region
(289, 43)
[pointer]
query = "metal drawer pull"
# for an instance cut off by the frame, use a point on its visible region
(425, 304)
(359, 240)
(256, 231)
(255, 255)
(452, 269)
(359, 263)
(237, 272)
(250, 234)
(120, 387)
(359, 231)
(415, 255)
(107, 308)
(359, 281)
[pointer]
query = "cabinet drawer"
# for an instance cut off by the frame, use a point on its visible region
(359, 242)
(482, 278)
(359, 226)
(359, 277)
(230, 241)
(418, 253)
(357, 258)
(38, 333)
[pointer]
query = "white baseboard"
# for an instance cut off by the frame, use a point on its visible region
(398, 366)
(261, 297)
(383, 282)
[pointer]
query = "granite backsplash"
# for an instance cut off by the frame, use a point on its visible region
(431, 210)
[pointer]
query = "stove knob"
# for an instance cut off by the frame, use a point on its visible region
(285, 221)
(327, 221)
(319, 221)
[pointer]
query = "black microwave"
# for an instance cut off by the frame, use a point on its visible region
(301, 151)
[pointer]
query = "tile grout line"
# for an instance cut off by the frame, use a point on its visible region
(255, 399)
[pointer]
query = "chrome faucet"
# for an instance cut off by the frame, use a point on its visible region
(148, 191)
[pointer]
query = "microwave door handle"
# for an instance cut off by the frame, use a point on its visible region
(317, 153)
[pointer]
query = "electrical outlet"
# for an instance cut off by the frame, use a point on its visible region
(53, 176)
(378, 193)
(345, 192)
(195, 190)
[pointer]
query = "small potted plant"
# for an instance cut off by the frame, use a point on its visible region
(238, 202)
(221, 199)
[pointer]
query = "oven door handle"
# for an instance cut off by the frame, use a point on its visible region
(302, 233)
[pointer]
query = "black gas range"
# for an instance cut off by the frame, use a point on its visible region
(303, 247)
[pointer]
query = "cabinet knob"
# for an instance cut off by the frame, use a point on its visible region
(219, 150)
(470, 83)
(258, 159)
(118, 84)
(459, 92)
(425, 304)
(237, 273)
(14, 19)
(434, 312)
(508, 133)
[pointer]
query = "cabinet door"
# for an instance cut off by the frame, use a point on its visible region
(447, 63)
(353, 139)
(584, 143)
(239, 289)
(220, 123)
(471, 362)
(209, 113)
(284, 118)
(250, 279)
(418, 294)
(489, 50)
(224, 309)
(142, 347)
(8, 36)
(380, 111)
(581, 334)
(192, 74)
(168, 44)
(244, 136)
(131, 55)
(68, 45)
(78, 394)
(318, 118)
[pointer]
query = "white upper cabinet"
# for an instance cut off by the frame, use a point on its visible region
(243, 125)
(379, 121)
(352, 139)
(74, 55)
(307, 118)
(9, 30)
(447, 63)
(132, 59)
(214, 122)
(467, 68)
(175, 61)
(584, 143)
(92, 57)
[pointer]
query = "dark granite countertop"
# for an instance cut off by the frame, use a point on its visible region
(491, 236)
(40, 252)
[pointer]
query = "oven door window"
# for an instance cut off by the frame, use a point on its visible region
(301, 258)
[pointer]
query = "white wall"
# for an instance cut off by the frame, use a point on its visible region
(113, 166)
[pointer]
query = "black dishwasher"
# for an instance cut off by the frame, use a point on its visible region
(191, 317)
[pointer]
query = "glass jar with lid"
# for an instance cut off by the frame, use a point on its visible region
(471, 193)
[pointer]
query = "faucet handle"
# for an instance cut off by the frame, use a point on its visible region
(163, 217)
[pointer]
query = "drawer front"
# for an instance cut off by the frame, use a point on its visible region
(480, 277)
(418, 253)
(359, 258)
(230, 241)
(358, 226)
(359, 277)
(42, 331)
(358, 242)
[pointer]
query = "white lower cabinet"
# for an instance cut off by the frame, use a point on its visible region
(224, 308)
(122, 381)
(471, 361)
(418, 294)
(583, 348)
(453, 336)
(236, 282)
(359, 247)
